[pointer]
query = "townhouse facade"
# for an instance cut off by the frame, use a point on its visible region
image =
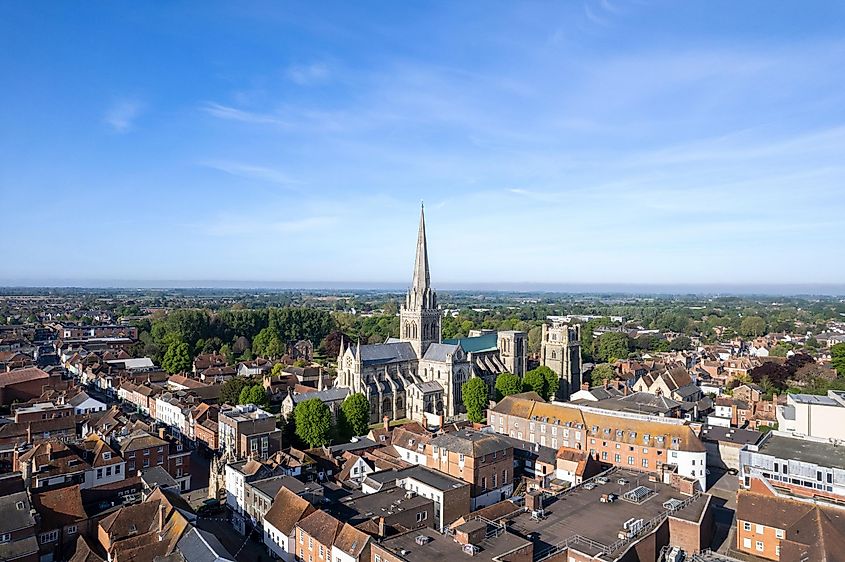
(638, 442)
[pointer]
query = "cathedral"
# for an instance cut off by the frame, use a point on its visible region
(419, 375)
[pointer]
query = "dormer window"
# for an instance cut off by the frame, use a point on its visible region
(106, 456)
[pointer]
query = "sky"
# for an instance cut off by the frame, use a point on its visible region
(582, 141)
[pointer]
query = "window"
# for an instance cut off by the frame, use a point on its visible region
(99, 473)
(759, 529)
(746, 526)
(378, 558)
(106, 456)
(759, 546)
(5, 537)
(631, 460)
(71, 530)
(108, 471)
(161, 449)
(422, 516)
(461, 457)
(483, 483)
(322, 551)
(178, 461)
(746, 543)
(495, 476)
(52, 536)
(117, 469)
(645, 463)
(311, 543)
(301, 537)
(779, 533)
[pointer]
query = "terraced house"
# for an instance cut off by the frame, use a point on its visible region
(622, 439)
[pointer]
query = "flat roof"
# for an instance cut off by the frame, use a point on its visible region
(804, 450)
(442, 547)
(731, 434)
(814, 399)
(430, 477)
(580, 512)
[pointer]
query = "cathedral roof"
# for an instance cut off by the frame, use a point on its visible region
(477, 344)
(386, 353)
(440, 351)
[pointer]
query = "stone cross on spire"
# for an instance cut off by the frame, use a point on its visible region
(422, 279)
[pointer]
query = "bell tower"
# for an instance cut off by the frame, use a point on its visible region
(419, 318)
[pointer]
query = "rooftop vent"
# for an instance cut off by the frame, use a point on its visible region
(422, 540)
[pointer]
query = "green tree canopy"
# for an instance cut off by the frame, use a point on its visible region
(535, 381)
(475, 393)
(355, 412)
(601, 373)
(837, 357)
(177, 358)
(254, 394)
(507, 384)
(681, 343)
(313, 422)
(230, 392)
(552, 380)
(612, 346)
(752, 326)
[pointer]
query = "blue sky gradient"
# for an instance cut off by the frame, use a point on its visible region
(553, 142)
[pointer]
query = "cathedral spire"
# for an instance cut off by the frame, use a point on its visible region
(422, 280)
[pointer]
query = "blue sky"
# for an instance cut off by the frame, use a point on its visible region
(579, 141)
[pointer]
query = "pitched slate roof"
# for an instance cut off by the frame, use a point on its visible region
(385, 353)
(471, 443)
(440, 352)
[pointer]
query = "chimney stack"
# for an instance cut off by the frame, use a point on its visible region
(161, 512)
(386, 421)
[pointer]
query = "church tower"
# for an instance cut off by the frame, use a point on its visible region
(419, 319)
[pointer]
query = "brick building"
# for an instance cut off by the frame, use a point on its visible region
(633, 441)
(483, 460)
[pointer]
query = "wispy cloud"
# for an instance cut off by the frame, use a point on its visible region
(122, 114)
(307, 74)
(251, 171)
(258, 225)
(234, 114)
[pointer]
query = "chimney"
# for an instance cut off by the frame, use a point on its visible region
(161, 513)
(386, 421)
(162, 432)
(382, 528)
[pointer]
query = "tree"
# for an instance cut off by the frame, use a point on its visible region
(475, 393)
(535, 381)
(268, 344)
(226, 352)
(254, 394)
(355, 412)
(781, 349)
(507, 384)
(612, 346)
(230, 392)
(313, 422)
(837, 357)
(552, 381)
(177, 358)
(277, 370)
(681, 343)
(534, 336)
(601, 373)
(752, 326)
